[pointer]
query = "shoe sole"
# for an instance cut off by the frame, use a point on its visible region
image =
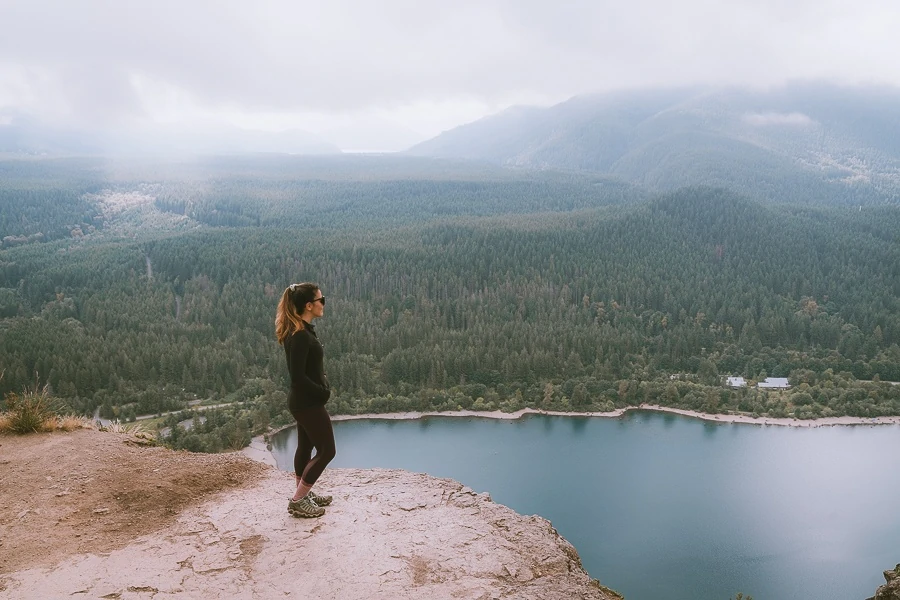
(299, 515)
(290, 510)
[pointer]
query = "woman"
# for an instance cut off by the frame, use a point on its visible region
(300, 304)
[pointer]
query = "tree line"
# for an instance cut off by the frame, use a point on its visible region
(579, 309)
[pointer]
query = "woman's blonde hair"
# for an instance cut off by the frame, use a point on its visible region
(290, 307)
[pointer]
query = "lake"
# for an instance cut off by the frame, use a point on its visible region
(661, 506)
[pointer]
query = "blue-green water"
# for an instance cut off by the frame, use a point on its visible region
(667, 507)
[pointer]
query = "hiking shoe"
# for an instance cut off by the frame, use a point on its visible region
(304, 507)
(319, 500)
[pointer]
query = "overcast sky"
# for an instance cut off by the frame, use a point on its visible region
(382, 74)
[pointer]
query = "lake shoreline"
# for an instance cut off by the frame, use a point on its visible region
(615, 414)
(257, 449)
(715, 418)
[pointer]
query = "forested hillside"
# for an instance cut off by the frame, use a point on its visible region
(45, 200)
(568, 294)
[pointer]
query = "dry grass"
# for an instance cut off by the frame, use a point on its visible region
(35, 410)
(46, 426)
(52, 423)
(72, 422)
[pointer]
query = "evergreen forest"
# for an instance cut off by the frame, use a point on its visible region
(142, 288)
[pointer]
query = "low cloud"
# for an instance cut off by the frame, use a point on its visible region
(794, 119)
(111, 64)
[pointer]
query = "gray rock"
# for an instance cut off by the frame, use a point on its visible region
(891, 589)
(388, 534)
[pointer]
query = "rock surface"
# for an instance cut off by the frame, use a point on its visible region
(891, 589)
(389, 534)
(87, 491)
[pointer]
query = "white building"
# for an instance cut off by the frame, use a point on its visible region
(774, 383)
(736, 382)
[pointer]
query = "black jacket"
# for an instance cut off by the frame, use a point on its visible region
(309, 386)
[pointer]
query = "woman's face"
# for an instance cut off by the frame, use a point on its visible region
(317, 307)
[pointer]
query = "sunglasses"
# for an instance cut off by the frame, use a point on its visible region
(322, 300)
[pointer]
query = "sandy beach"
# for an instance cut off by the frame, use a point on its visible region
(717, 418)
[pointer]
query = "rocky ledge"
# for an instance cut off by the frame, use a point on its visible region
(891, 589)
(389, 534)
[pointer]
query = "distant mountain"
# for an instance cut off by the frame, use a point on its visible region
(797, 142)
(22, 134)
(215, 138)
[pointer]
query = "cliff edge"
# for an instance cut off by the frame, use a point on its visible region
(96, 515)
(891, 588)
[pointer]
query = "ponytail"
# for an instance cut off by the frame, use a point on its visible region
(290, 307)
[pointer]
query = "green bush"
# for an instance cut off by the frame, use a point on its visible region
(30, 412)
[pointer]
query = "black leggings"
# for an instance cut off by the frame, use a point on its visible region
(313, 431)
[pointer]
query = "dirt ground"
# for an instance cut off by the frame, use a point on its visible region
(88, 491)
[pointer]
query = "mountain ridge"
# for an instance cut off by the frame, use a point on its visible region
(816, 140)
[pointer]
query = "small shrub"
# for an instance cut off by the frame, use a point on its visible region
(5, 423)
(136, 429)
(31, 411)
(117, 426)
